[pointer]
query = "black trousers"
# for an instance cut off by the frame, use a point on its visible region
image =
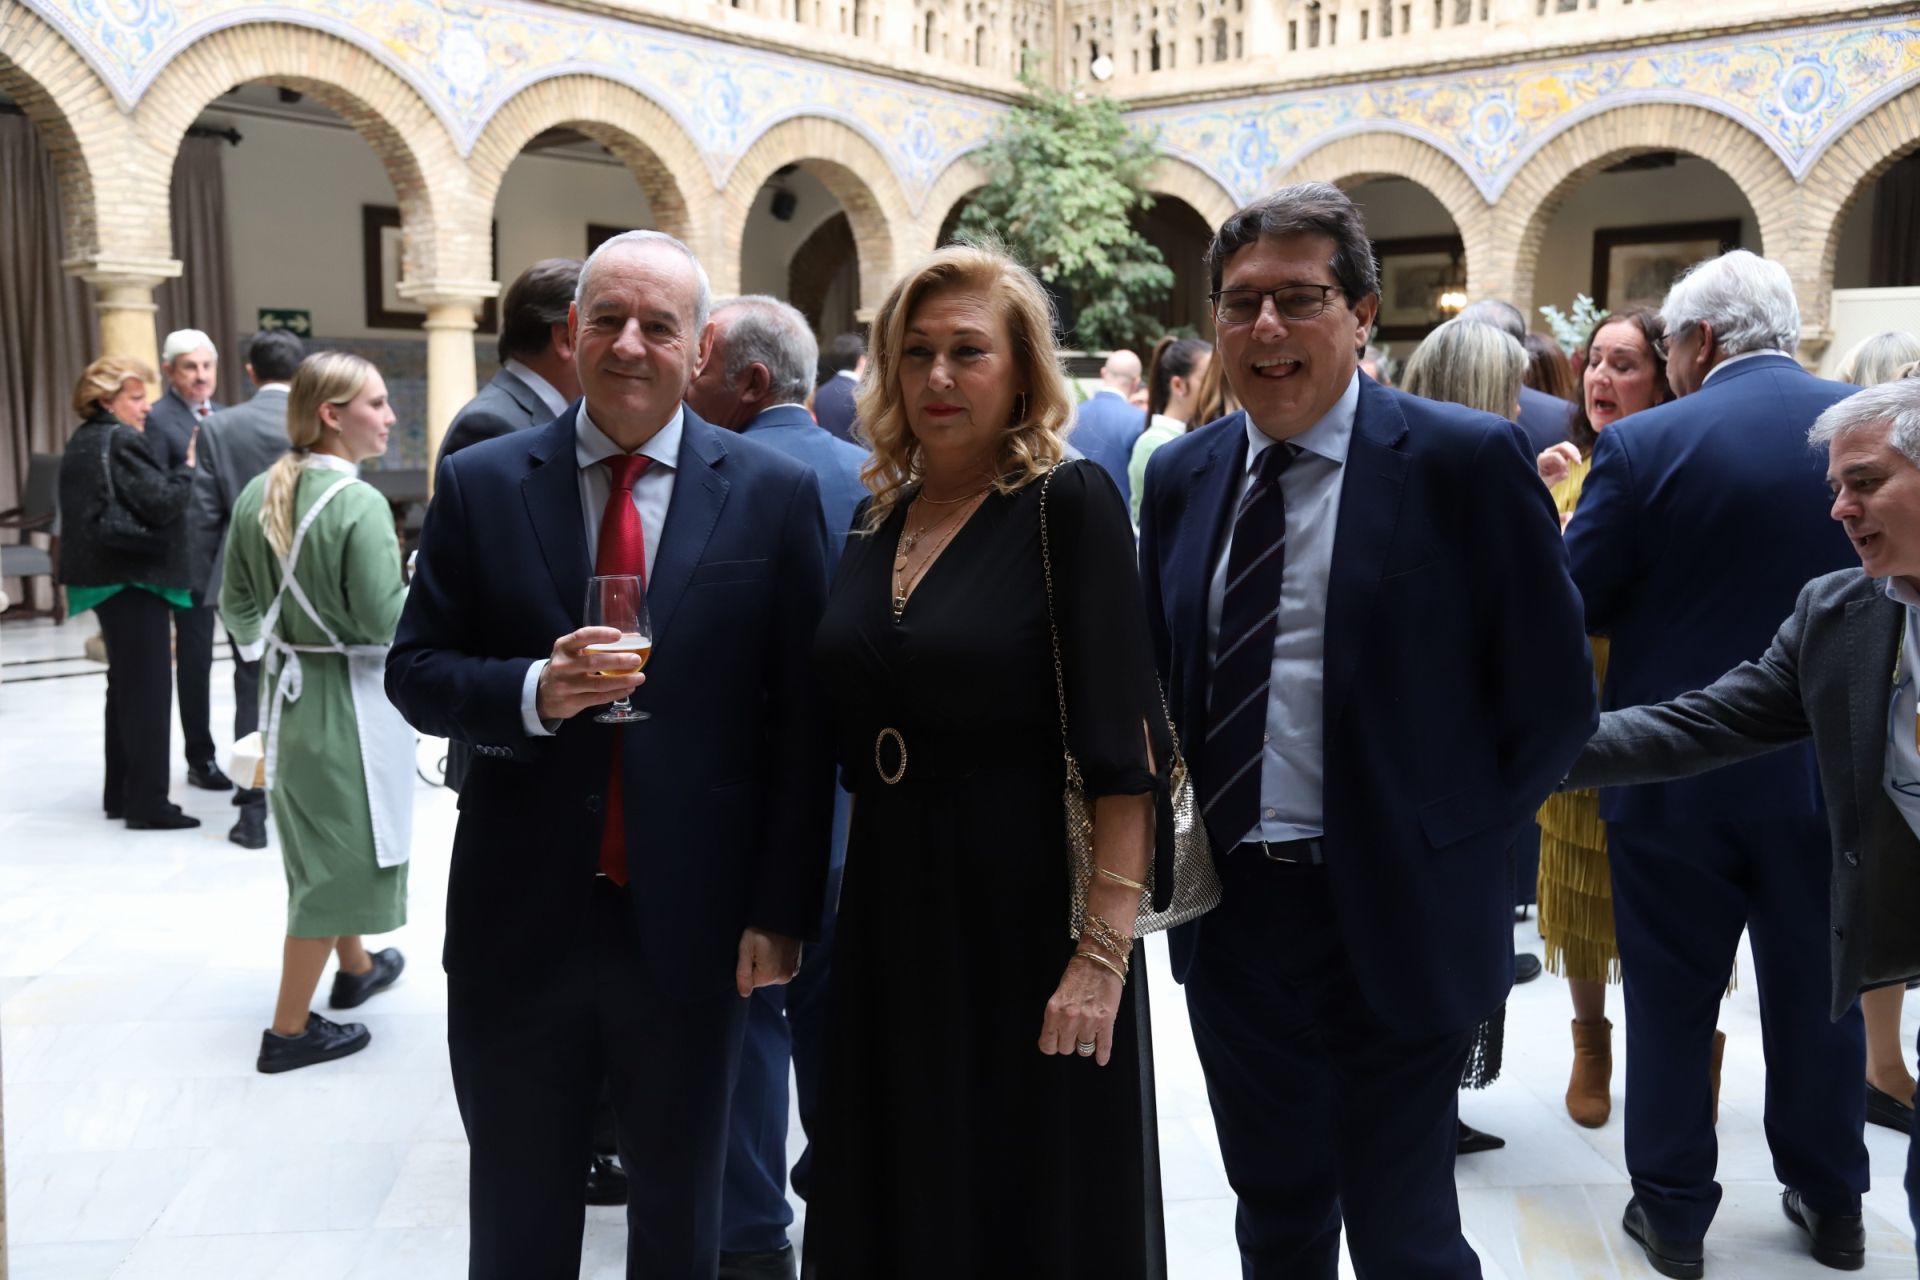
(1327, 1116)
(134, 623)
(246, 695)
(193, 671)
(528, 1061)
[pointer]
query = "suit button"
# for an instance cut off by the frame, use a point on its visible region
(1838, 932)
(593, 804)
(1853, 859)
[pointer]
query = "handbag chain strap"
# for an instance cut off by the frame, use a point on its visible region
(1053, 629)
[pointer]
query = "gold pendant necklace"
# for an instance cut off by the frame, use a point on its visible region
(908, 540)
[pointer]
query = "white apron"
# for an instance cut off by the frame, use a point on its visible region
(386, 739)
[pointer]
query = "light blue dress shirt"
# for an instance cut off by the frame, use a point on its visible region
(1292, 777)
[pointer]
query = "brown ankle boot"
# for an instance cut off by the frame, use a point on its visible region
(1719, 1052)
(1589, 1090)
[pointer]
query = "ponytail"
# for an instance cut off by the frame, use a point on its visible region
(325, 377)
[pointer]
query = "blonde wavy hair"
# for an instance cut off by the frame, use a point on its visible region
(101, 381)
(325, 377)
(1468, 363)
(1031, 444)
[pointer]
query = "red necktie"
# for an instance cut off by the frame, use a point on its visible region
(203, 410)
(623, 549)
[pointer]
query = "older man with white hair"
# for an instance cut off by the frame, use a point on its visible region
(1824, 678)
(191, 364)
(1699, 522)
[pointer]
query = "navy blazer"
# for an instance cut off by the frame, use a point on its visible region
(1458, 683)
(1105, 428)
(833, 407)
(727, 789)
(1546, 419)
(834, 463)
(1699, 523)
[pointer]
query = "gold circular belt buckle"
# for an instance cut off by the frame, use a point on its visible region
(899, 742)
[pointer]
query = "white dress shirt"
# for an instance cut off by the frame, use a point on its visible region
(652, 493)
(1292, 776)
(1901, 775)
(549, 394)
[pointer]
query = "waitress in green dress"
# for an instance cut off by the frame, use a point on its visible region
(313, 588)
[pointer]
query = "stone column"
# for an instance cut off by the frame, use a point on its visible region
(451, 380)
(123, 297)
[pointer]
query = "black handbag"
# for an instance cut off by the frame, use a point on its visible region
(119, 528)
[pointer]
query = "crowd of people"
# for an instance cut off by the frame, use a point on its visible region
(952, 683)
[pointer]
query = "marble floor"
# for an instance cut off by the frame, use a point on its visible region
(137, 970)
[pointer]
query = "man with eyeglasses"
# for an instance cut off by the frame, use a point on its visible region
(1371, 647)
(1839, 673)
(1699, 522)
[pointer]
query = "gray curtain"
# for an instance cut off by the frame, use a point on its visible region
(201, 297)
(47, 333)
(1895, 260)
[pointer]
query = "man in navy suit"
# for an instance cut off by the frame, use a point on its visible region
(755, 381)
(1371, 647)
(1106, 426)
(833, 404)
(618, 891)
(1699, 523)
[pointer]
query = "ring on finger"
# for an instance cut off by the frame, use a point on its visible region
(1084, 1048)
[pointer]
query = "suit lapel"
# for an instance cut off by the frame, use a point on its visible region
(699, 492)
(551, 491)
(523, 395)
(1204, 521)
(1873, 636)
(1369, 506)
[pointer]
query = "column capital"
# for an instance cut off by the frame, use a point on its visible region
(438, 294)
(110, 272)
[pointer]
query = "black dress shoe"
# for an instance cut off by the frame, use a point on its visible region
(778, 1265)
(322, 1041)
(1885, 1109)
(249, 795)
(172, 818)
(1473, 1140)
(1682, 1261)
(351, 990)
(606, 1181)
(208, 777)
(250, 832)
(1839, 1239)
(1526, 967)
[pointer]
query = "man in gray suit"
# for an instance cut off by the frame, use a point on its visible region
(1840, 671)
(236, 445)
(536, 381)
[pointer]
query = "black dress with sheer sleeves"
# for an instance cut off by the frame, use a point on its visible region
(948, 1144)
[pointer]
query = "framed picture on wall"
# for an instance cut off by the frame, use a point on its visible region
(1413, 275)
(598, 234)
(381, 253)
(1634, 266)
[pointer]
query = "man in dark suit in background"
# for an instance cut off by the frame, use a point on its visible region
(1824, 677)
(755, 381)
(844, 362)
(236, 445)
(1105, 426)
(1699, 523)
(536, 381)
(619, 890)
(192, 368)
(1544, 418)
(1369, 641)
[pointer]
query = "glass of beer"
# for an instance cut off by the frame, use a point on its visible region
(620, 601)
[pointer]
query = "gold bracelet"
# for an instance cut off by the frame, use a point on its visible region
(1115, 969)
(1101, 931)
(1117, 878)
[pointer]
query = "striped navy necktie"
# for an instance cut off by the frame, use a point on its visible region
(1243, 660)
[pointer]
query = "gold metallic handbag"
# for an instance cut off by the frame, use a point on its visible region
(1196, 883)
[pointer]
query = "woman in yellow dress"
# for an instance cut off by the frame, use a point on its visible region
(1624, 374)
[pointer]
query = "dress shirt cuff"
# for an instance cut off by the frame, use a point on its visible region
(530, 701)
(252, 650)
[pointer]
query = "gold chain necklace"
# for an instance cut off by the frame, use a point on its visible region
(902, 580)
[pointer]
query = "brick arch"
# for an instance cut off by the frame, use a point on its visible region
(1363, 157)
(1837, 181)
(73, 111)
(645, 137)
(850, 167)
(1527, 206)
(1184, 181)
(443, 238)
(960, 180)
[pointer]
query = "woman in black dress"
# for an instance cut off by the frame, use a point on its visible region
(987, 1094)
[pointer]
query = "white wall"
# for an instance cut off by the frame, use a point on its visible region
(294, 194)
(1861, 313)
(766, 250)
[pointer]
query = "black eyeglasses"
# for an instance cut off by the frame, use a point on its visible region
(1293, 302)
